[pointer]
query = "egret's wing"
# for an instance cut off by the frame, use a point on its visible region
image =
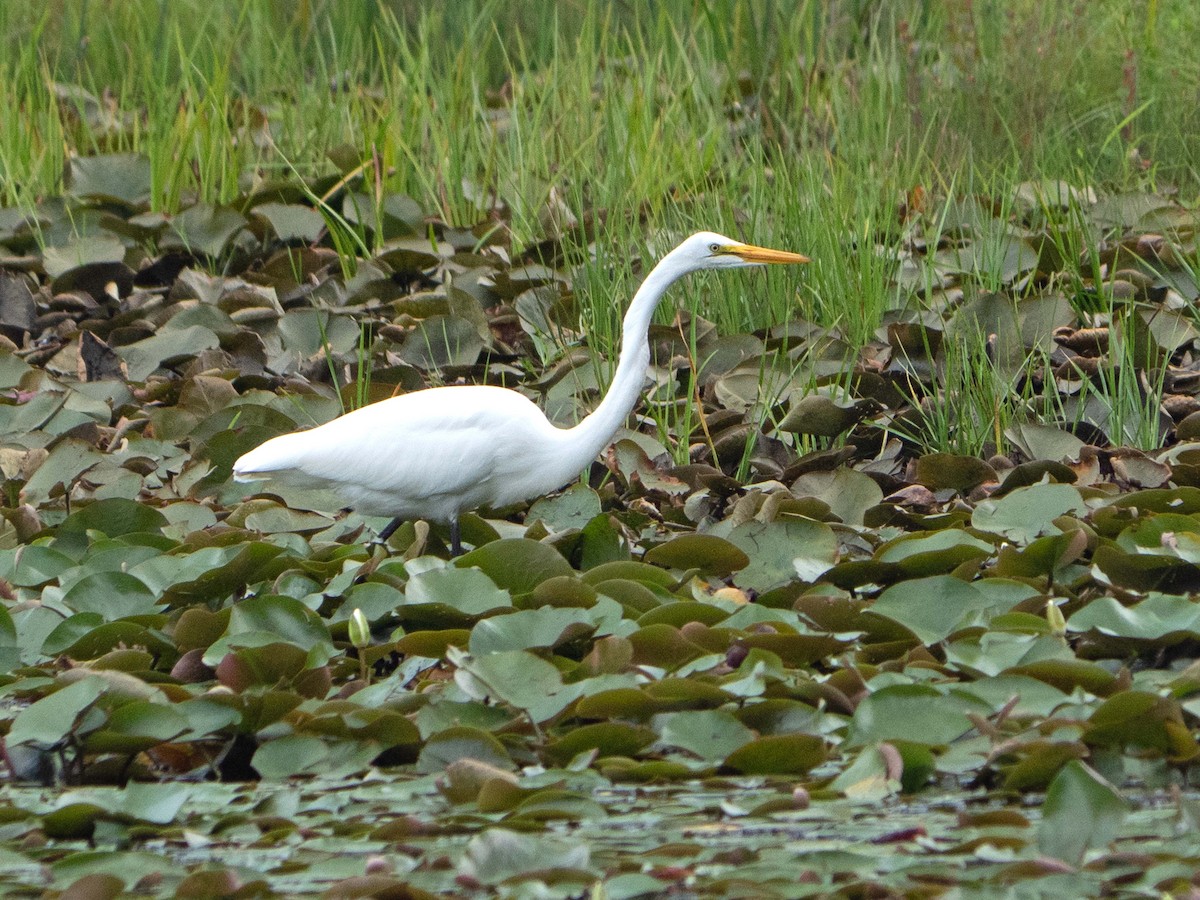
(397, 455)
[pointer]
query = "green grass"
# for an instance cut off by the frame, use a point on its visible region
(681, 106)
(800, 125)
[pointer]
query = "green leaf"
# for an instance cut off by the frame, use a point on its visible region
(115, 517)
(209, 579)
(710, 734)
(866, 779)
(206, 718)
(376, 600)
(933, 552)
(47, 721)
(517, 677)
(110, 177)
(940, 471)
(848, 492)
(292, 221)
(821, 415)
(529, 629)
(705, 552)
(1082, 812)
(1135, 718)
(1158, 616)
(1028, 512)
(130, 866)
(573, 508)
(167, 347)
(1044, 442)
(37, 564)
(462, 742)
(86, 636)
(156, 803)
(779, 754)
(441, 341)
(70, 459)
(912, 712)
(137, 726)
(606, 738)
(516, 565)
(207, 230)
(114, 595)
(498, 855)
(783, 551)
(1044, 556)
(290, 755)
(310, 331)
(10, 651)
(551, 804)
(1038, 762)
(1034, 698)
(934, 608)
(274, 619)
(280, 519)
(468, 592)
(80, 253)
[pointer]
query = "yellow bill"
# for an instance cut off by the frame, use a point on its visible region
(753, 254)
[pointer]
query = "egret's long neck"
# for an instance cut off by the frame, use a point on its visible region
(592, 435)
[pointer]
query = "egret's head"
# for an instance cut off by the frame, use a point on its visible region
(707, 250)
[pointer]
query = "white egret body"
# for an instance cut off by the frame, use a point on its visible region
(433, 454)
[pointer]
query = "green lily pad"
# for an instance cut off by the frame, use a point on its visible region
(946, 470)
(207, 230)
(915, 713)
(709, 734)
(573, 508)
(1154, 618)
(934, 608)
(1082, 812)
(605, 738)
(113, 595)
(516, 565)
(50, 720)
(528, 629)
(458, 743)
(1029, 512)
(783, 551)
(780, 754)
(705, 552)
(110, 177)
(468, 592)
(115, 517)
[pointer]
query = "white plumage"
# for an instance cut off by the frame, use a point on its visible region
(436, 453)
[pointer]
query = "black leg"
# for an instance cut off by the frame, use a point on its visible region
(389, 529)
(455, 538)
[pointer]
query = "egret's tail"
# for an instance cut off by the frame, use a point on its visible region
(265, 460)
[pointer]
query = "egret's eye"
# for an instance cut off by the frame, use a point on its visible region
(714, 248)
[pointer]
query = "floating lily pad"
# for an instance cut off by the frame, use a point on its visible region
(706, 553)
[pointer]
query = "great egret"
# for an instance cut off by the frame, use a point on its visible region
(433, 454)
